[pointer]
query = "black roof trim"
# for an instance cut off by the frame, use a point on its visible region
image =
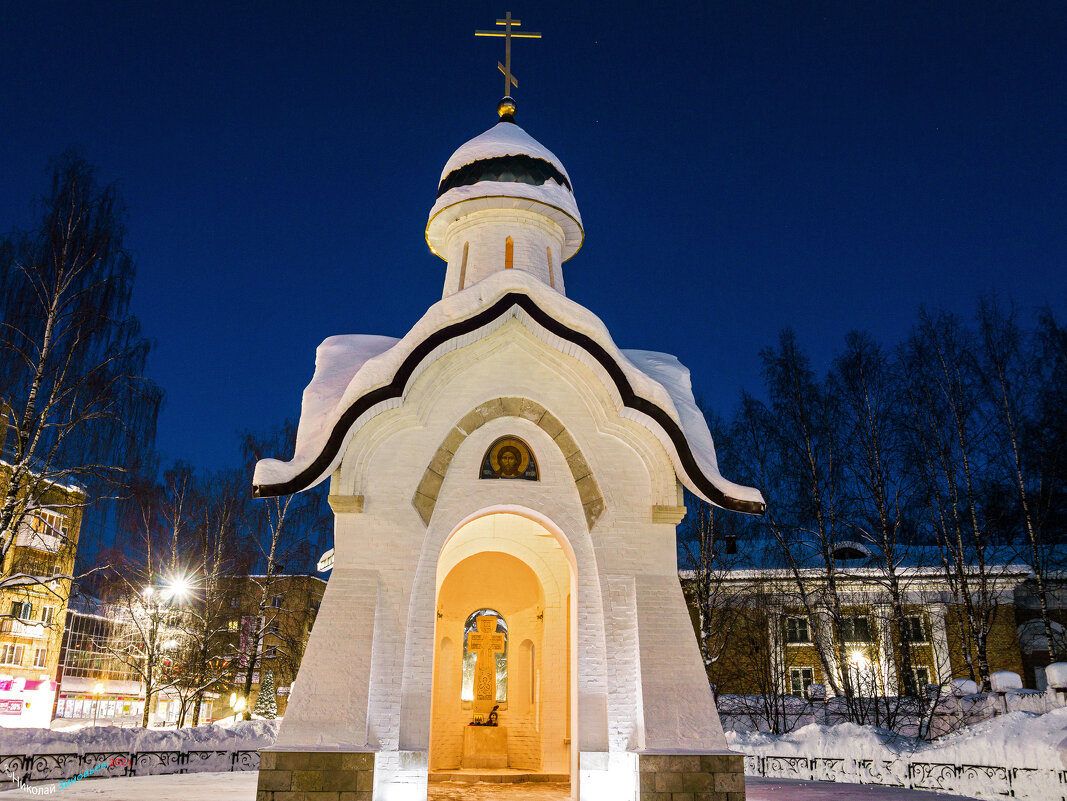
(523, 169)
(395, 389)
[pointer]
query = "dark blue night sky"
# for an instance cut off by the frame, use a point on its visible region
(741, 167)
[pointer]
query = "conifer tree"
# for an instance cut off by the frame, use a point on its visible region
(266, 704)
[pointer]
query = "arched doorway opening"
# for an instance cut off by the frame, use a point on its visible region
(503, 646)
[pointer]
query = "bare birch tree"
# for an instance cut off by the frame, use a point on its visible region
(880, 491)
(280, 532)
(793, 445)
(71, 354)
(948, 429)
(1012, 372)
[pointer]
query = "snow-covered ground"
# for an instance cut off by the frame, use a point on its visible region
(242, 787)
(1017, 739)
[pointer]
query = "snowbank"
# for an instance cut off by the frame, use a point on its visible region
(245, 735)
(1017, 739)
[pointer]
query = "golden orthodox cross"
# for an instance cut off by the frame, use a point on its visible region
(486, 643)
(508, 34)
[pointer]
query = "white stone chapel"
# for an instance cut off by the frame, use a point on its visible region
(506, 482)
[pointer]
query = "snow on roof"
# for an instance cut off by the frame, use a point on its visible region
(348, 368)
(674, 377)
(503, 139)
(762, 556)
(337, 360)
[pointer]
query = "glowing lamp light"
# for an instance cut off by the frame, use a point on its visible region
(233, 699)
(147, 592)
(99, 688)
(239, 705)
(179, 587)
(858, 658)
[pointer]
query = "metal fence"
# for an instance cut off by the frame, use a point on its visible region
(980, 781)
(38, 768)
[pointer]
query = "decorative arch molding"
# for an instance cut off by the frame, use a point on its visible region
(425, 497)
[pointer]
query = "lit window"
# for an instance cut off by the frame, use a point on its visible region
(11, 654)
(42, 529)
(470, 657)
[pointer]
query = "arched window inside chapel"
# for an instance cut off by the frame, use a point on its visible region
(470, 657)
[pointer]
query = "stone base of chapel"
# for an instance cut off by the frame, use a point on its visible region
(691, 777)
(315, 776)
(500, 776)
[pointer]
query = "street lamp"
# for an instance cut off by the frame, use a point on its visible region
(97, 691)
(238, 704)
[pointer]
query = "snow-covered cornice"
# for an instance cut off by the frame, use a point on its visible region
(357, 377)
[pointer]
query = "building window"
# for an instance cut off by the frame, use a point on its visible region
(848, 553)
(22, 610)
(35, 563)
(509, 253)
(800, 678)
(730, 545)
(40, 657)
(273, 628)
(470, 657)
(48, 614)
(856, 629)
(914, 631)
(313, 605)
(233, 625)
(796, 630)
(276, 602)
(270, 652)
(11, 654)
(42, 529)
(916, 682)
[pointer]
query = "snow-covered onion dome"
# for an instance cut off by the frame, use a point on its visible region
(504, 202)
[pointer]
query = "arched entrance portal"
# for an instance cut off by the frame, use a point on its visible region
(505, 611)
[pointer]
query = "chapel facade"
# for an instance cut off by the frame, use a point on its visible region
(504, 596)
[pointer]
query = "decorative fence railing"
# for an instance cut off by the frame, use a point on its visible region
(979, 781)
(35, 768)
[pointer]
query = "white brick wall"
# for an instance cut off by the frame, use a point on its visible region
(484, 233)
